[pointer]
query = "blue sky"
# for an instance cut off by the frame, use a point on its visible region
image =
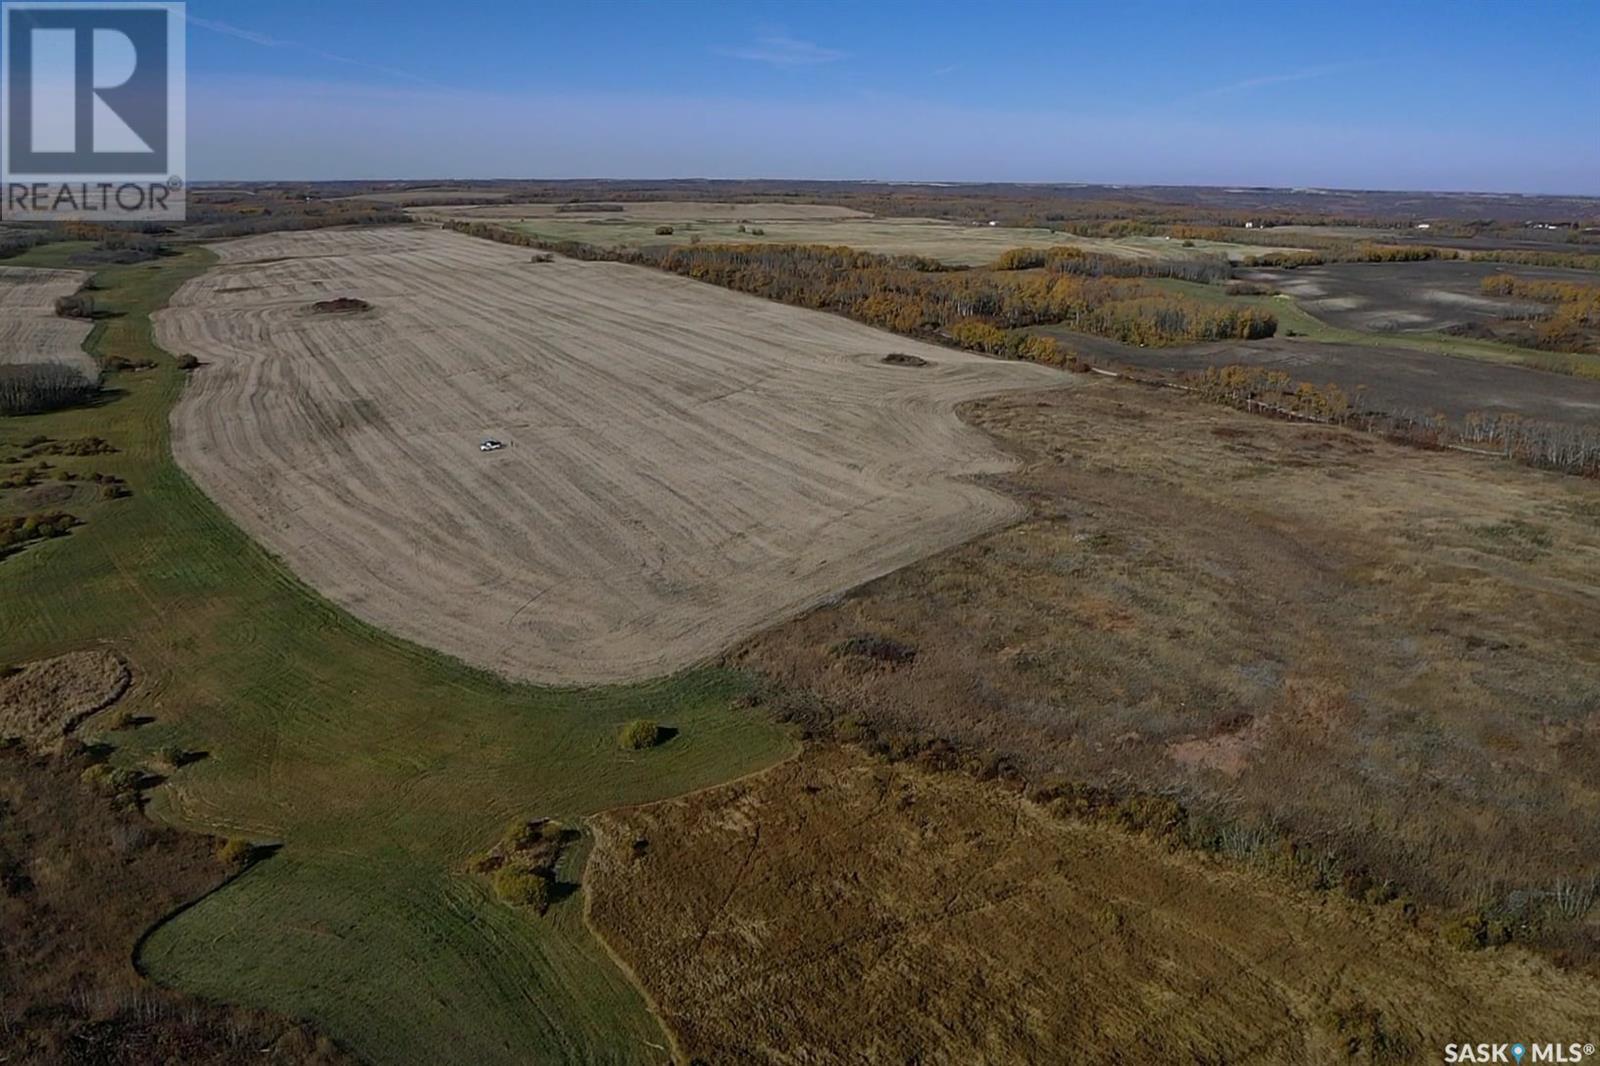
(1474, 94)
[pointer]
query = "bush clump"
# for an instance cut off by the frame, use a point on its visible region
(112, 780)
(639, 734)
(878, 648)
(523, 888)
(663, 231)
(236, 852)
(75, 306)
(21, 529)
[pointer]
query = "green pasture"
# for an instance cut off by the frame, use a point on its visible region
(375, 766)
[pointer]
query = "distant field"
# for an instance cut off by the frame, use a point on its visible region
(1406, 297)
(683, 464)
(378, 766)
(423, 195)
(1421, 370)
(661, 211)
(30, 330)
(1390, 376)
(963, 244)
(836, 903)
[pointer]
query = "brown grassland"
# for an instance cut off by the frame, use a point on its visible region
(1302, 634)
(840, 909)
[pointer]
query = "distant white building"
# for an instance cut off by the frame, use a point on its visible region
(1424, 225)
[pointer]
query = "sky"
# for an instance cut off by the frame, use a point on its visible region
(1471, 95)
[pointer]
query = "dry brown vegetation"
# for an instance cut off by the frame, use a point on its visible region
(1297, 635)
(82, 877)
(43, 701)
(682, 464)
(836, 909)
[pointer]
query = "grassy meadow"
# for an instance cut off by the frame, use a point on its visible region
(377, 768)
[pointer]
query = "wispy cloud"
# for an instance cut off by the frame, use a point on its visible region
(1263, 81)
(267, 41)
(778, 50)
(939, 72)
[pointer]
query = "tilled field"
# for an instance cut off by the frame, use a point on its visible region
(30, 330)
(682, 465)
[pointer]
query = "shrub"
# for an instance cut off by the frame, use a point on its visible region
(172, 756)
(187, 362)
(236, 852)
(21, 529)
(525, 836)
(1474, 931)
(113, 780)
(75, 306)
(663, 231)
(1021, 259)
(33, 388)
(639, 734)
(523, 888)
(879, 648)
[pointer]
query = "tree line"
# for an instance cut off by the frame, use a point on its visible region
(1368, 252)
(32, 388)
(982, 310)
(1573, 320)
(1565, 447)
(1205, 269)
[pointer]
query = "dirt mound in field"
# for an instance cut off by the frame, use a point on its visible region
(44, 700)
(339, 305)
(902, 359)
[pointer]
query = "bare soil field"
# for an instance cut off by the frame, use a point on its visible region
(1406, 297)
(1302, 633)
(683, 464)
(1397, 379)
(836, 909)
(30, 329)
